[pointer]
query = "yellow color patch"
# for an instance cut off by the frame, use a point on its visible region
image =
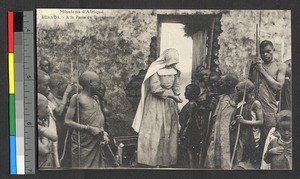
(11, 73)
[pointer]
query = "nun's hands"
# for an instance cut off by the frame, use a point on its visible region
(177, 99)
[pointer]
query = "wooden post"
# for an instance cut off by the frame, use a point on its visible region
(120, 153)
(210, 45)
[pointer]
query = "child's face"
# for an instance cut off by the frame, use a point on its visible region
(43, 111)
(43, 87)
(239, 91)
(204, 75)
(285, 130)
(221, 83)
(188, 92)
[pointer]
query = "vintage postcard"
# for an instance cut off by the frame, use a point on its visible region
(180, 89)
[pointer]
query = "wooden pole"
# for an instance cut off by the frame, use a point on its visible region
(239, 129)
(77, 103)
(210, 45)
(201, 156)
(68, 130)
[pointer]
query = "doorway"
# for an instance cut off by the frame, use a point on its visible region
(172, 36)
(190, 35)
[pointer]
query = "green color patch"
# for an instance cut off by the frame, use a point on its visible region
(12, 115)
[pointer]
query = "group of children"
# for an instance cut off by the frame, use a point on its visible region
(71, 124)
(229, 134)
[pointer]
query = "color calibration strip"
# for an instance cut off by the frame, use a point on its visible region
(11, 75)
(21, 93)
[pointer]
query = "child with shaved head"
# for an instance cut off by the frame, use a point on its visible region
(88, 125)
(249, 150)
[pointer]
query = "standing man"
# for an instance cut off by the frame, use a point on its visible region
(268, 75)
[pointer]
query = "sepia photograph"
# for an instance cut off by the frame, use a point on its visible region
(164, 89)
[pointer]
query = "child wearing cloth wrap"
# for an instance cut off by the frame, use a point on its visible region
(86, 151)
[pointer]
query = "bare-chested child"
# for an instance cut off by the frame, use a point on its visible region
(279, 152)
(87, 126)
(46, 135)
(43, 88)
(59, 92)
(192, 129)
(59, 96)
(249, 150)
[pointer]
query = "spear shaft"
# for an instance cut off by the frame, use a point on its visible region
(239, 129)
(77, 103)
(257, 39)
(68, 130)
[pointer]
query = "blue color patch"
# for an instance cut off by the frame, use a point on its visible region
(13, 157)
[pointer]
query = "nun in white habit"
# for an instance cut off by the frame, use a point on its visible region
(156, 119)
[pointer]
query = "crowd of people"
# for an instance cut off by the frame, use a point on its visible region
(226, 123)
(71, 121)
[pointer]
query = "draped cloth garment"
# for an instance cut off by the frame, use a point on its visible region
(218, 152)
(90, 149)
(156, 119)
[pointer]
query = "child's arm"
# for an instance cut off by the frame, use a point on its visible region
(273, 150)
(71, 113)
(259, 116)
(43, 145)
(47, 132)
(55, 154)
(61, 106)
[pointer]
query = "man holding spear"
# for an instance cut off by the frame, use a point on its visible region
(268, 75)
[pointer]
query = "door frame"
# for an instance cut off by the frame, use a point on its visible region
(201, 19)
